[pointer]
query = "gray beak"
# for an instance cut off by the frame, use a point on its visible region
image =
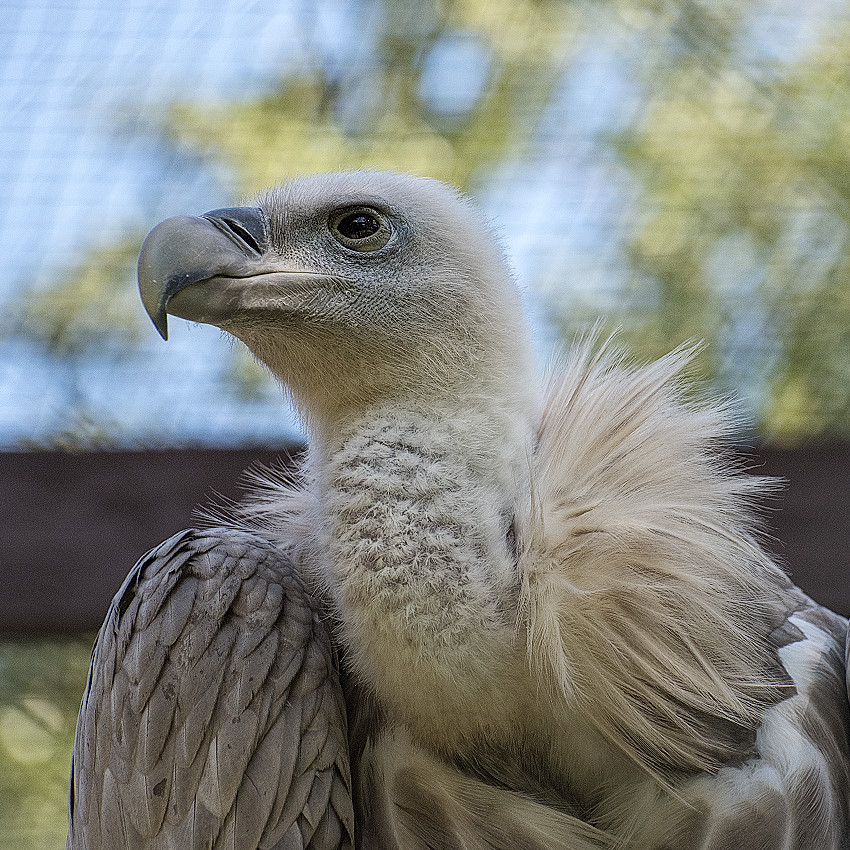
(227, 244)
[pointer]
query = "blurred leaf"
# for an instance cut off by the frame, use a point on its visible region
(41, 683)
(375, 113)
(250, 379)
(92, 303)
(743, 238)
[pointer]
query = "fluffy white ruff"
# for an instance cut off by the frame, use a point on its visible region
(648, 601)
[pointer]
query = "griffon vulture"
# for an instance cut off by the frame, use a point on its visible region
(487, 616)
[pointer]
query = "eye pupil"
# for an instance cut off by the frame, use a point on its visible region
(358, 225)
(362, 229)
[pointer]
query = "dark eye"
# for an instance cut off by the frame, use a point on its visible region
(358, 225)
(362, 229)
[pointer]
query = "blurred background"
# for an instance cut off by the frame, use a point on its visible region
(677, 168)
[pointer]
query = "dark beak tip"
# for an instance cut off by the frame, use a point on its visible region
(161, 325)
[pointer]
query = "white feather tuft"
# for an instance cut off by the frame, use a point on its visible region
(647, 598)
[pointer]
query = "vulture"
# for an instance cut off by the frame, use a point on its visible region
(489, 612)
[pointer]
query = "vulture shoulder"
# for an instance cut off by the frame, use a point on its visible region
(213, 714)
(648, 596)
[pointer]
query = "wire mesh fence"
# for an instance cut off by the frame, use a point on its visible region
(676, 167)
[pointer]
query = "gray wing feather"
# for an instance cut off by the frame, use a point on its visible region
(213, 714)
(818, 784)
(796, 793)
(847, 663)
(414, 801)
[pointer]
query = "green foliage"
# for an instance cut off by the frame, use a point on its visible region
(734, 224)
(744, 235)
(41, 682)
(375, 114)
(95, 302)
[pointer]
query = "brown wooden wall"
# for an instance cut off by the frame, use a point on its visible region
(72, 525)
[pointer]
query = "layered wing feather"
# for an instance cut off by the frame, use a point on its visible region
(795, 793)
(213, 714)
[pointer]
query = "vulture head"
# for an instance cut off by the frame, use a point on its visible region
(355, 289)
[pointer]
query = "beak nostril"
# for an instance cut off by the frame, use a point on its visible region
(243, 234)
(246, 226)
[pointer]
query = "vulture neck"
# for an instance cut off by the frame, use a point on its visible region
(418, 525)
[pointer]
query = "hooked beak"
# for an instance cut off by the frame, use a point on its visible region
(186, 250)
(216, 267)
